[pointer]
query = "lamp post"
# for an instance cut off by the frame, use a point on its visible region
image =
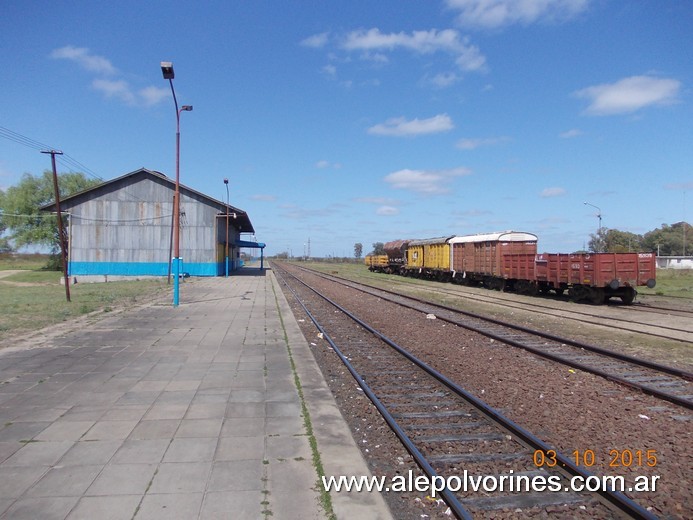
(167, 71)
(599, 216)
(226, 182)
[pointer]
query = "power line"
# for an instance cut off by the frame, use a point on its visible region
(66, 160)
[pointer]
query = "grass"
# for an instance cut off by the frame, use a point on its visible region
(34, 298)
(670, 282)
(12, 261)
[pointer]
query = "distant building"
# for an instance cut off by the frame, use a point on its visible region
(123, 227)
(675, 262)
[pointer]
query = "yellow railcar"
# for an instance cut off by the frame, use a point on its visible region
(376, 262)
(429, 258)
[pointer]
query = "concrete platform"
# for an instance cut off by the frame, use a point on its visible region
(175, 413)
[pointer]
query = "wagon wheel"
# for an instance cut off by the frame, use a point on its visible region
(628, 296)
(597, 295)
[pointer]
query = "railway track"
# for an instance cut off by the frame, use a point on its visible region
(581, 313)
(447, 430)
(662, 381)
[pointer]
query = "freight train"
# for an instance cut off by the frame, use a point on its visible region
(508, 261)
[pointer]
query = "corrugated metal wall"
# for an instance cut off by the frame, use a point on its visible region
(130, 223)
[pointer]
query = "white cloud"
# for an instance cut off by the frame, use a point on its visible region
(569, 134)
(152, 95)
(266, 198)
(383, 201)
(399, 126)
(443, 80)
(493, 14)
(432, 182)
(474, 143)
(327, 164)
(552, 192)
(119, 89)
(316, 41)
(85, 59)
(330, 70)
(468, 57)
(679, 186)
(629, 95)
(387, 211)
(106, 83)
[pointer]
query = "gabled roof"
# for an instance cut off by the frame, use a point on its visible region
(242, 221)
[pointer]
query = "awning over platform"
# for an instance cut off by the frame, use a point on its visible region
(246, 243)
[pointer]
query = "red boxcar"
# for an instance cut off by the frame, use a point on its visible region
(495, 259)
(596, 277)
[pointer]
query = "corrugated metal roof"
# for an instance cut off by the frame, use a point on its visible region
(429, 241)
(242, 221)
(502, 236)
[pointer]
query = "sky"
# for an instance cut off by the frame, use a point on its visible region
(344, 122)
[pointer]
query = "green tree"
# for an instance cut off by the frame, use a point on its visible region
(670, 240)
(24, 223)
(358, 249)
(622, 241)
(5, 245)
(378, 249)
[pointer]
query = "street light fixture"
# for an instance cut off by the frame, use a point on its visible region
(167, 71)
(599, 216)
(226, 182)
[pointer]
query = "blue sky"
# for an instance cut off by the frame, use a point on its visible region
(357, 121)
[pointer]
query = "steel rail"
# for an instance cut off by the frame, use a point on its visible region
(420, 459)
(686, 403)
(547, 309)
(618, 499)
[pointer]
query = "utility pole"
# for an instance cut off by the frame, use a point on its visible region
(61, 232)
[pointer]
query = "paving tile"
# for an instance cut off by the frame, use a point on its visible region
(65, 481)
(141, 451)
(122, 479)
(172, 506)
(191, 450)
(22, 431)
(237, 475)
(166, 411)
(200, 428)
(8, 448)
(109, 430)
(65, 431)
(288, 447)
(285, 426)
(283, 409)
(43, 508)
(181, 477)
(90, 452)
(240, 448)
(206, 410)
(245, 410)
(236, 504)
(243, 427)
(17, 479)
(159, 429)
(40, 453)
(125, 413)
(105, 508)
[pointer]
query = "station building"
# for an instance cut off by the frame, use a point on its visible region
(124, 228)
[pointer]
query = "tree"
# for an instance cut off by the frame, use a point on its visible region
(24, 223)
(670, 240)
(5, 246)
(378, 249)
(358, 249)
(622, 241)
